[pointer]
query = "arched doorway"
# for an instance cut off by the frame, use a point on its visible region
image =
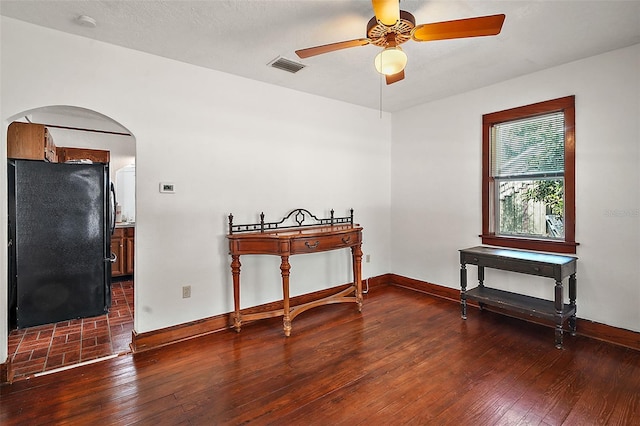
(34, 350)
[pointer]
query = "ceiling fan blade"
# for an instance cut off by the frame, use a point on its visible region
(460, 28)
(386, 11)
(393, 78)
(326, 48)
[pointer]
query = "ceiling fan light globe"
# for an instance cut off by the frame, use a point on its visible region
(390, 61)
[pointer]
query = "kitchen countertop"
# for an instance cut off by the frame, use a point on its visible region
(125, 224)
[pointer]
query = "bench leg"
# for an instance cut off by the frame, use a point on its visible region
(463, 290)
(558, 306)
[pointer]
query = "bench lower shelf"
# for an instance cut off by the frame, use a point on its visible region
(532, 306)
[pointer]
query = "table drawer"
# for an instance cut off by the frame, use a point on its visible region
(529, 268)
(322, 243)
(524, 267)
(256, 246)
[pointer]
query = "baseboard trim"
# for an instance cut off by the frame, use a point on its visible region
(6, 373)
(594, 330)
(155, 339)
(425, 287)
(607, 333)
(141, 342)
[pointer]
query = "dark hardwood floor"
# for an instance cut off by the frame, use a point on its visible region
(407, 359)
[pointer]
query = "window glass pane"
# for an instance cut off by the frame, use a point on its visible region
(528, 147)
(531, 208)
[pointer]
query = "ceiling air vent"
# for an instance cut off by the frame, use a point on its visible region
(286, 65)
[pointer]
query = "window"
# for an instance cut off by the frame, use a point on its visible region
(528, 177)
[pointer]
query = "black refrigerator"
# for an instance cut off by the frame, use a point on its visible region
(60, 225)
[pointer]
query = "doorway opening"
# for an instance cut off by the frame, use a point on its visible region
(35, 349)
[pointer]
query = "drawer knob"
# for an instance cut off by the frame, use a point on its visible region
(346, 240)
(311, 246)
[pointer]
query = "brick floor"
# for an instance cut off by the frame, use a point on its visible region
(47, 347)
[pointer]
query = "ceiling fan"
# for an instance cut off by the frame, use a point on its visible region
(390, 27)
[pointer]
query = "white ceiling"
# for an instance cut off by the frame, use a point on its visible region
(242, 36)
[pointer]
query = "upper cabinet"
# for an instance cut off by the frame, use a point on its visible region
(96, 155)
(30, 141)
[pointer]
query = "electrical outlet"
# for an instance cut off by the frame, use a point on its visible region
(186, 291)
(367, 258)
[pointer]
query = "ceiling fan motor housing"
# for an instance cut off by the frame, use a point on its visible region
(400, 32)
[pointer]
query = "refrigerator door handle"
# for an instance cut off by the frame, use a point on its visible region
(113, 208)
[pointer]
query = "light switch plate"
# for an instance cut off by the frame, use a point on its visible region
(167, 188)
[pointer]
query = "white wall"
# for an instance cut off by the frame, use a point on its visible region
(436, 176)
(232, 145)
(229, 145)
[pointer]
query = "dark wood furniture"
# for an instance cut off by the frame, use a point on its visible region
(122, 245)
(526, 262)
(307, 234)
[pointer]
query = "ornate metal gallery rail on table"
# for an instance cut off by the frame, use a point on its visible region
(298, 232)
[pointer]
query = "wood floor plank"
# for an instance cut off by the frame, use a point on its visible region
(408, 358)
(552, 390)
(613, 386)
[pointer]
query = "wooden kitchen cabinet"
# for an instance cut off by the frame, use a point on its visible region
(96, 155)
(122, 245)
(129, 243)
(117, 249)
(30, 141)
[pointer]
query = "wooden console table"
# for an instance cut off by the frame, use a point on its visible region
(277, 238)
(526, 262)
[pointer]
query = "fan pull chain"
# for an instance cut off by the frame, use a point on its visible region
(381, 87)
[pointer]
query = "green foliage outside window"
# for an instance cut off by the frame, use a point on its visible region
(549, 192)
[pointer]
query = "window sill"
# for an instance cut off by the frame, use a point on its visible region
(554, 246)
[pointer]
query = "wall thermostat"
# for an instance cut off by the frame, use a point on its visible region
(167, 188)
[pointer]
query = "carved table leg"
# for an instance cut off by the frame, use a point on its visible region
(235, 272)
(558, 306)
(356, 255)
(463, 290)
(572, 302)
(285, 267)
